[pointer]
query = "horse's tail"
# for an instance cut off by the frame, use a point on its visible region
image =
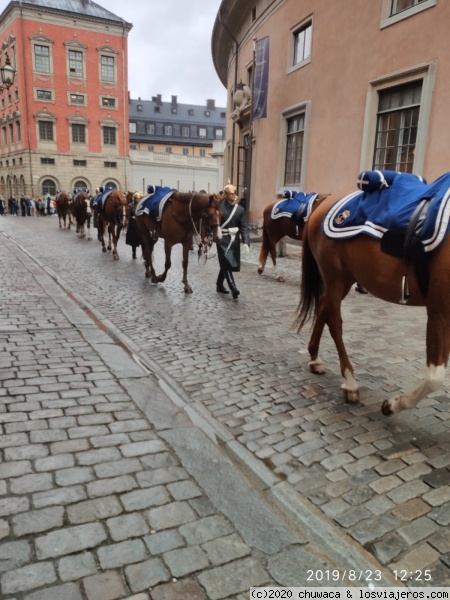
(311, 285)
(265, 245)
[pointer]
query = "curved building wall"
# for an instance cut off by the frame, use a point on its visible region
(372, 93)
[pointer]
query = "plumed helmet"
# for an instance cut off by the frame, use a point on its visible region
(138, 196)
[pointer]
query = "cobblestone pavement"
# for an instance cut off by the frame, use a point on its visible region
(353, 482)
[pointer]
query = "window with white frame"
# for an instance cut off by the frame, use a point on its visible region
(150, 127)
(78, 133)
(202, 132)
(294, 149)
(393, 11)
(400, 5)
(397, 124)
(108, 101)
(109, 136)
(132, 127)
(218, 134)
(168, 130)
(43, 94)
(397, 119)
(76, 98)
(185, 131)
(107, 68)
(45, 130)
(76, 63)
(41, 58)
(302, 43)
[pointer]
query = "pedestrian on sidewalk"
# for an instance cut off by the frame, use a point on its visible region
(41, 207)
(2, 207)
(12, 206)
(234, 228)
(133, 236)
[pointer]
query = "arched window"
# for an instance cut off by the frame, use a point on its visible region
(80, 184)
(48, 187)
(110, 184)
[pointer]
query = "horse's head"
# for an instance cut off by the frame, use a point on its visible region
(213, 217)
(121, 208)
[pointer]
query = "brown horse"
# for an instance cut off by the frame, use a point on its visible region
(274, 229)
(112, 216)
(82, 212)
(329, 269)
(184, 215)
(63, 208)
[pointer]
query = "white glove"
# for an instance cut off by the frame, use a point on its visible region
(247, 248)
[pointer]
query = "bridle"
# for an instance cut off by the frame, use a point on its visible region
(204, 243)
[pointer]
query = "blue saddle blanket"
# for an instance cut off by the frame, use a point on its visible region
(100, 198)
(296, 205)
(154, 203)
(389, 206)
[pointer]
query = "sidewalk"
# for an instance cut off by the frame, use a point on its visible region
(111, 486)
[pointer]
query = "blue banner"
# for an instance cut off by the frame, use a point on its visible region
(261, 81)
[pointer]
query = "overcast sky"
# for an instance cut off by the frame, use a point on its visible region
(169, 49)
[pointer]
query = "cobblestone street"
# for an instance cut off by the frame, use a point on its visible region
(161, 445)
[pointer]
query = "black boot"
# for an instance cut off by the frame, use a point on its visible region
(220, 288)
(234, 291)
(359, 288)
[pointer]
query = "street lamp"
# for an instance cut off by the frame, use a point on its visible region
(7, 74)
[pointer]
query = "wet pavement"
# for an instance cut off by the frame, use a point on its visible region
(155, 439)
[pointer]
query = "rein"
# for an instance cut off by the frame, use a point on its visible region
(204, 244)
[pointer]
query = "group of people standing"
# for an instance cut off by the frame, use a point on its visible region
(28, 207)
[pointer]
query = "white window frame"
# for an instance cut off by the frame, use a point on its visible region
(308, 21)
(40, 40)
(425, 72)
(289, 113)
(387, 19)
(75, 46)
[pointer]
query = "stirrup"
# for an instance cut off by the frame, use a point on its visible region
(404, 297)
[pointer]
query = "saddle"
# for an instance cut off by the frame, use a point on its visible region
(154, 203)
(296, 206)
(407, 215)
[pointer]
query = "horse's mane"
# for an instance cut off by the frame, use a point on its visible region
(187, 197)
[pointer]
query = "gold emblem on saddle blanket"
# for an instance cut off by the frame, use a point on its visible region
(342, 217)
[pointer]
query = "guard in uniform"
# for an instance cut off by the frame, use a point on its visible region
(234, 227)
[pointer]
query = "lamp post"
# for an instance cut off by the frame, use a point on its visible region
(7, 74)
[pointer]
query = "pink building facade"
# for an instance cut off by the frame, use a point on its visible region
(350, 86)
(64, 122)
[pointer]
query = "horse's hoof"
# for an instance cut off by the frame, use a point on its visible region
(188, 290)
(260, 270)
(351, 395)
(317, 368)
(280, 278)
(103, 249)
(386, 408)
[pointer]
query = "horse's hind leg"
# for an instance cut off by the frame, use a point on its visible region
(438, 348)
(88, 226)
(333, 299)
(315, 364)
(264, 250)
